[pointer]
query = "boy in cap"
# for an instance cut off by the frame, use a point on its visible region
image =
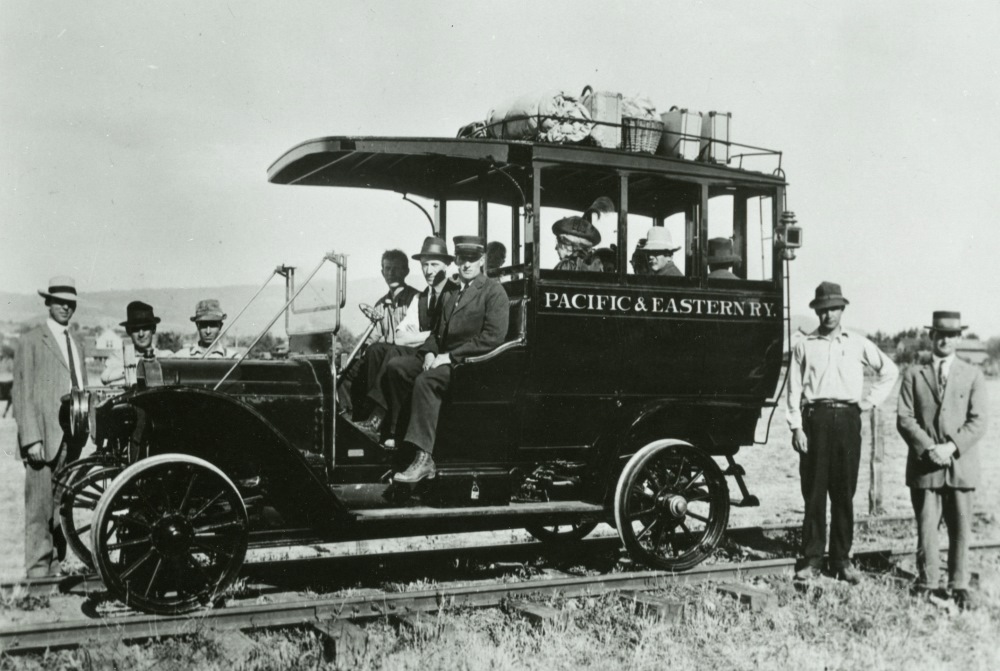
(825, 400)
(208, 318)
(474, 318)
(941, 415)
(140, 325)
(48, 365)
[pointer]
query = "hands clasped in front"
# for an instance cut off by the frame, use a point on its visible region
(433, 361)
(940, 455)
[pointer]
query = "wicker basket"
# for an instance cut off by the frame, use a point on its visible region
(641, 134)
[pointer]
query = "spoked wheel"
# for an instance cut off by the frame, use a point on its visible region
(560, 533)
(75, 470)
(76, 509)
(671, 505)
(170, 534)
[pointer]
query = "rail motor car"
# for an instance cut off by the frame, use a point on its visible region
(615, 397)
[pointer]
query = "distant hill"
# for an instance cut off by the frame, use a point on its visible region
(176, 306)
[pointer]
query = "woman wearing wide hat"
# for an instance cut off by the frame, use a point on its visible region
(140, 325)
(576, 238)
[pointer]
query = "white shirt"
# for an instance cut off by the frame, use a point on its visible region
(59, 333)
(408, 332)
(832, 368)
(942, 366)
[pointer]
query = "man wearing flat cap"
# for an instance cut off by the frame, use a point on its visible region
(208, 318)
(48, 365)
(474, 318)
(140, 325)
(825, 401)
(659, 252)
(721, 259)
(411, 332)
(942, 415)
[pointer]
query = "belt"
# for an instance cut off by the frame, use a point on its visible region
(827, 403)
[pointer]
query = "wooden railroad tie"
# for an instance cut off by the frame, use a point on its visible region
(343, 641)
(540, 616)
(757, 600)
(423, 626)
(670, 611)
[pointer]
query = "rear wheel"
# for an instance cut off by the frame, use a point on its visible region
(170, 534)
(561, 533)
(671, 505)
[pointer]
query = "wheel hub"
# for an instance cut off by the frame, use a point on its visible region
(673, 504)
(172, 535)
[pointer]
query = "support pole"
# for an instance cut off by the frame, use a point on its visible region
(875, 487)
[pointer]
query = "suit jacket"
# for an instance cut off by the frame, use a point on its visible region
(925, 418)
(475, 324)
(41, 379)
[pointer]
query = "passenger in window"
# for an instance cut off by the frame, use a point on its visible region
(639, 261)
(576, 238)
(721, 259)
(608, 257)
(496, 256)
(659, 252)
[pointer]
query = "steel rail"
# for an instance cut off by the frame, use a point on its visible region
(38, 637)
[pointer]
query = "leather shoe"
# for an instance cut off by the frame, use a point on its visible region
(849, 574)
(421, 467)
(808, 572)
(964, 599)
(389, 444)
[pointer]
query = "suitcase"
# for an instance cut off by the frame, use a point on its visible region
(606, 109)
(681, 134)
(715, 137)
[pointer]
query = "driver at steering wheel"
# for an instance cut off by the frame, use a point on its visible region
(421, 316)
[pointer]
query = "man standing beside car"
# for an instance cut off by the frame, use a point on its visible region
(140, 325)
(942, 416)
(48, 365)
(474, 319)
(825, 401)
(208, 318)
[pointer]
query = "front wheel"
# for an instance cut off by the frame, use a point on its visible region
(170, 534)
(671, 505)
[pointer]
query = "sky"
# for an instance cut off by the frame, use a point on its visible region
(136, 136)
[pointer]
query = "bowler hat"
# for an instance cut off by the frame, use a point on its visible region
(208, 310)
(659, 240)
(469, 244)
(947, 322)
(828, 295)
(578, 230)
(434, 248)
(137, 314)
(720, 250)
(61, 287)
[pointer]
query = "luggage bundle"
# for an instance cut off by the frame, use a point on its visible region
(609, 120)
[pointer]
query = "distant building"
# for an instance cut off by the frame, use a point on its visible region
(972, 351)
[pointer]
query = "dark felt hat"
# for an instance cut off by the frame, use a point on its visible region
(828, 295)
(434, 248)
(208, 310)
(469, 244)
(137, 314)
(947, 322)
(720, 250)
(578, 229)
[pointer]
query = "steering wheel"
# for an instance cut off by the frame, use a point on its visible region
(373, 313)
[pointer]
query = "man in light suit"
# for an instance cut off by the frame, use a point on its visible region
(49, 363)
(474, 318)
(942, 416)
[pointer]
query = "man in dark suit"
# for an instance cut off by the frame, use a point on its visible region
(49, 363)
(473, 321)
(942, 416)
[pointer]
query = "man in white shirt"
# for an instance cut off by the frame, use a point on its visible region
(140, 325)
(825, 401)
(48, 365)
(413, 330)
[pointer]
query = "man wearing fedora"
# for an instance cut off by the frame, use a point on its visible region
(721, 259)
(942, 415)
(413, 330)
(140, 325)
(208, 318)
(48, 365)
(474, 318)
(825, 401)
(659, 250)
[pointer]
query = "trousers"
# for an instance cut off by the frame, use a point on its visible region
(377, 358)
(955, 506)
(44, 543)
(415, 397)
(830, 468)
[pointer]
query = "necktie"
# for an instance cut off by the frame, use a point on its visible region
(432, 303)
(942, 376)
(70, 357)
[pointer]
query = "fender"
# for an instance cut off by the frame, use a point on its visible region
(241, 442)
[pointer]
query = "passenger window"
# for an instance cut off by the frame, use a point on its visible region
(569, 244)
(739, 236)
(670, 240)
(760, 238)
